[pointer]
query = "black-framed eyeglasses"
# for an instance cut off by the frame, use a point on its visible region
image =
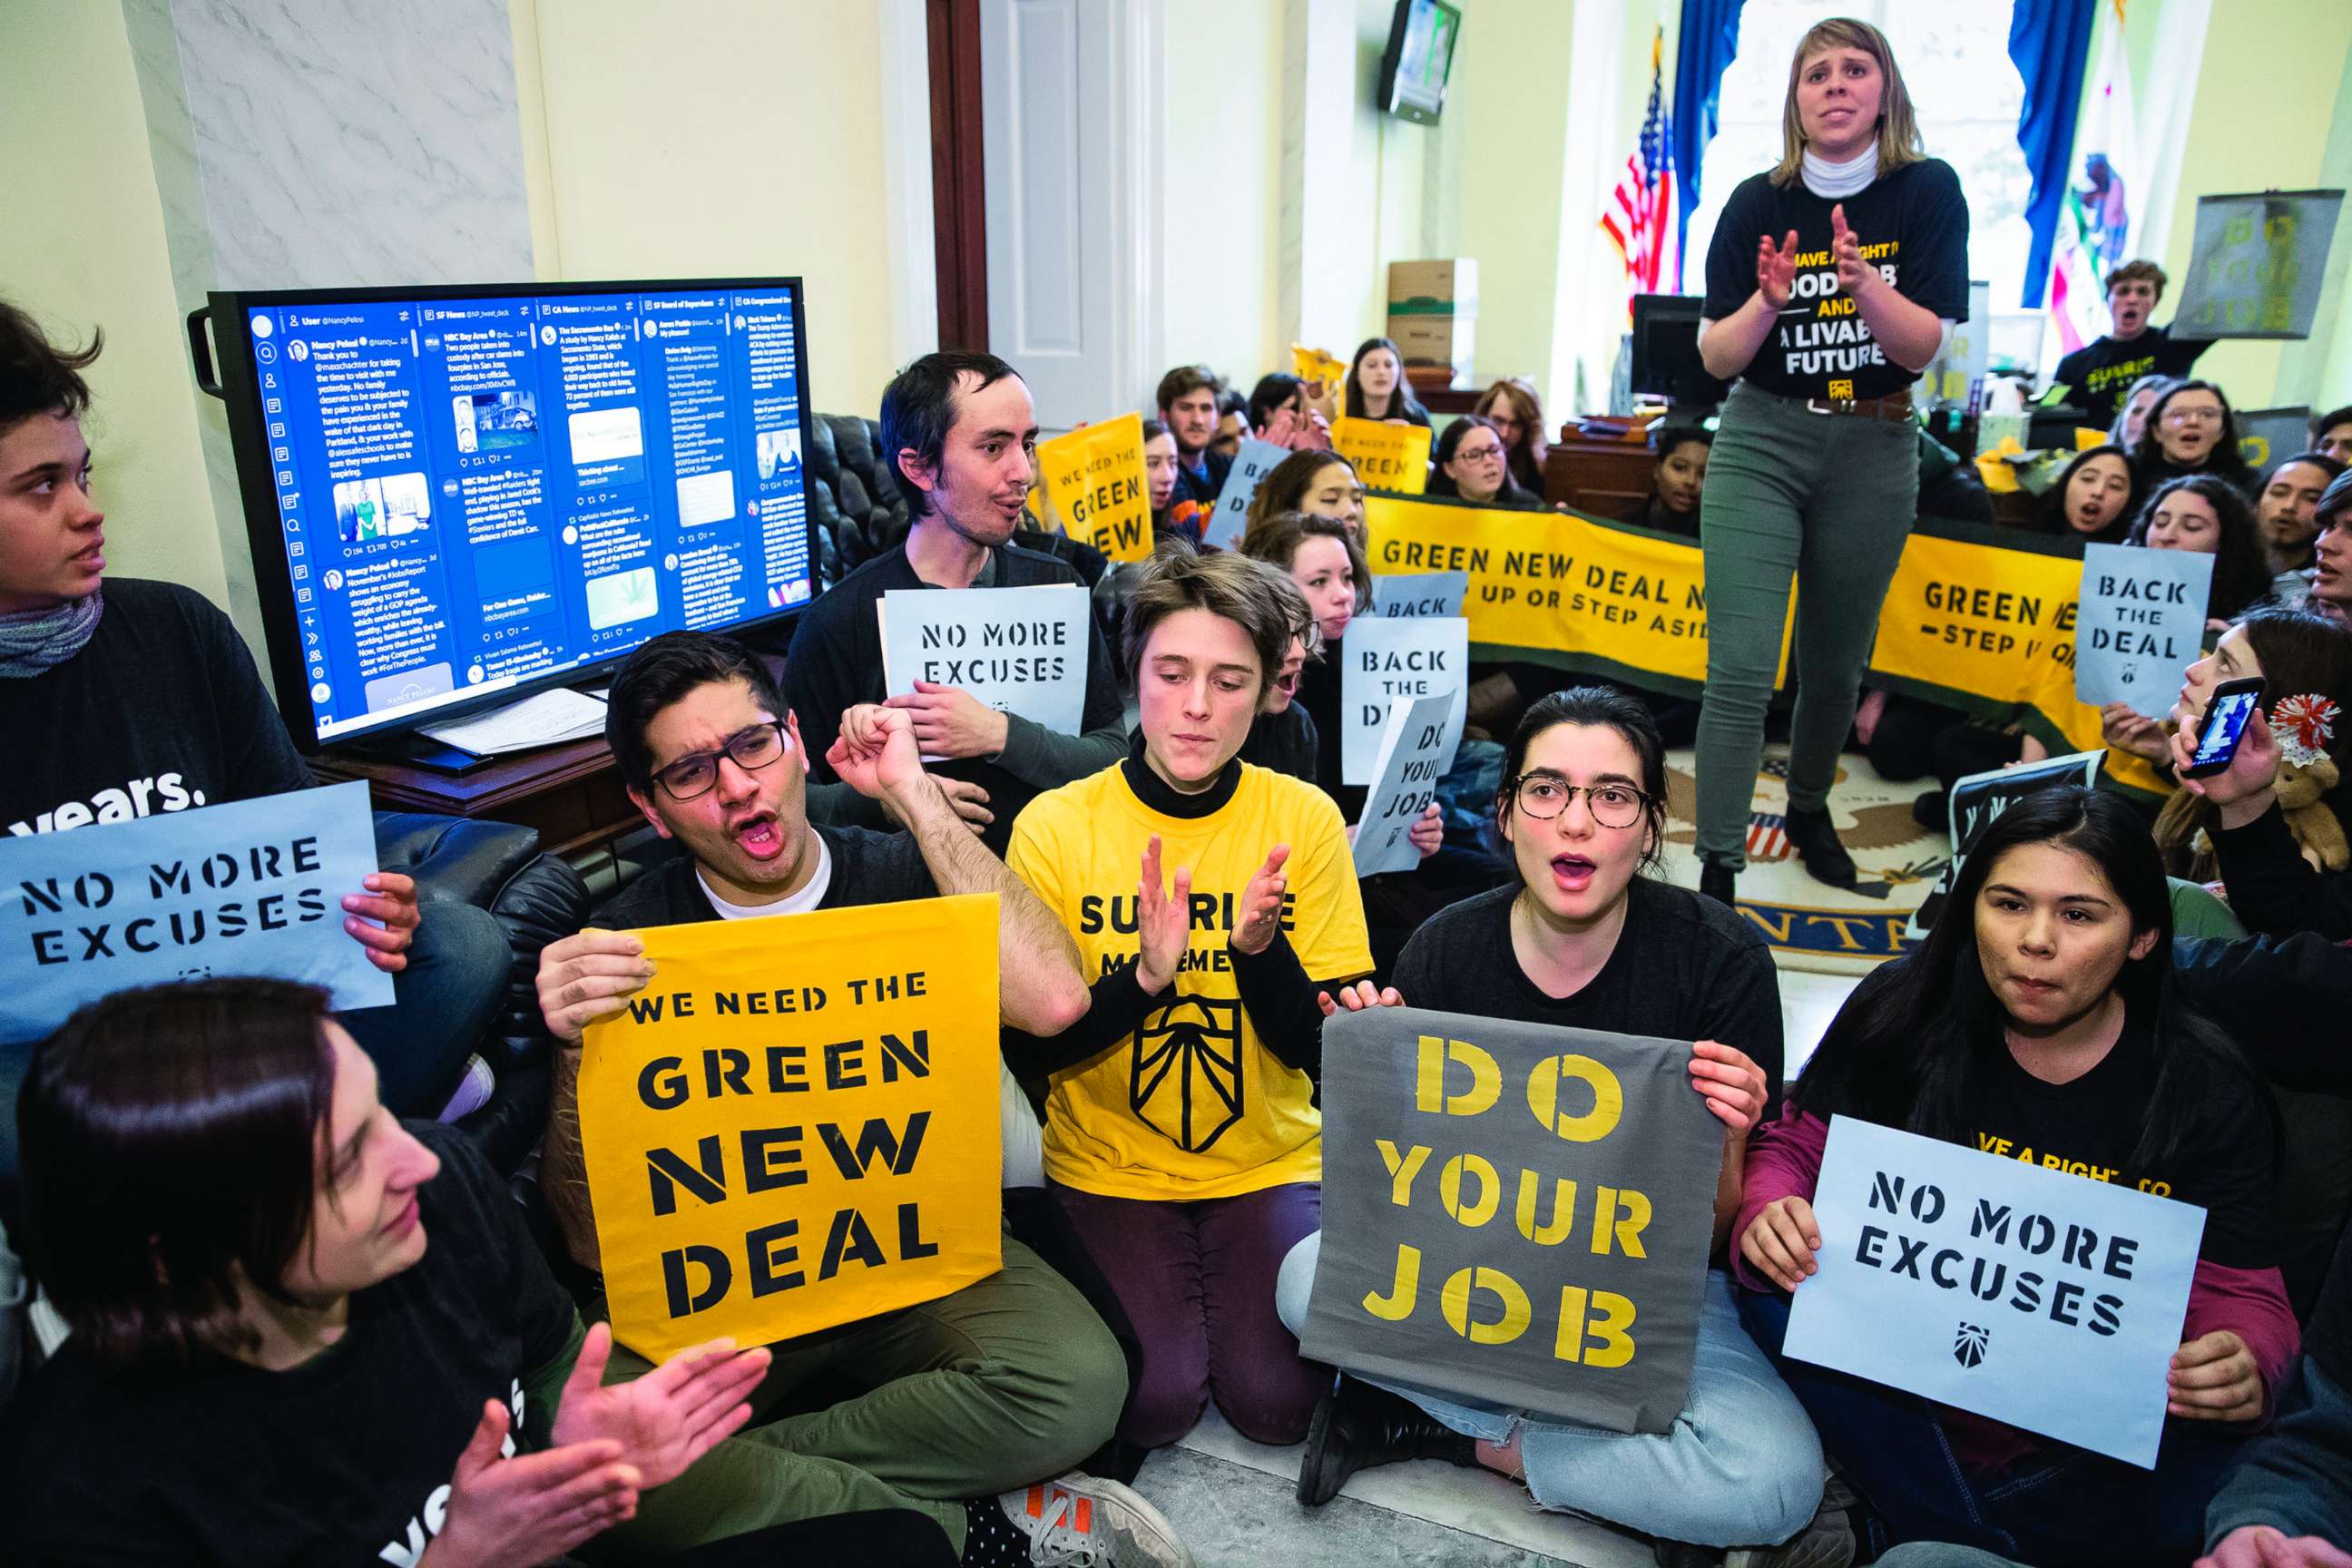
(697, 773)
(1544, 796)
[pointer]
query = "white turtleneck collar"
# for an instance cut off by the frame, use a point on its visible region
(1835, 182)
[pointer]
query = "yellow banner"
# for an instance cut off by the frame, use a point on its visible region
(1970, 620)
(1387, 457)
(1590, 594)
(1095, 486)
(796, 1124)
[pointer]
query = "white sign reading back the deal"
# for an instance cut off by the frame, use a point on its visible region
(1384, 662)
(2140, 626)
(1412, 753)
(1400, 596)
(2039, 1298)
(1023, 650)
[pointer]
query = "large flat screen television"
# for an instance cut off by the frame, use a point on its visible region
(459, 495)
(1418, 59)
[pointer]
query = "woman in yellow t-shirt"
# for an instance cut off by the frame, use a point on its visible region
(1180, 1133)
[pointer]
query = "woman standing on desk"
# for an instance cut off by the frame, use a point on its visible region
(1831, 280)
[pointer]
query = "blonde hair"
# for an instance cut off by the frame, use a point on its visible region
(1898, 129)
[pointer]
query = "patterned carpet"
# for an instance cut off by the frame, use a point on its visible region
(1809, 924)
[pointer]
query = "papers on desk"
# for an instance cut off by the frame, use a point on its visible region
(547, 719)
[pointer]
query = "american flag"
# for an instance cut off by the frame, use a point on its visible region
(1641, 218)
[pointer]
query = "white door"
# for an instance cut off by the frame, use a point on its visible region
(1070, 103)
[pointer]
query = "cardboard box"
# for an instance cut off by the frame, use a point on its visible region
(1434, 340)
(1445, 286)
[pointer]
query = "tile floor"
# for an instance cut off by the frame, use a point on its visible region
(1231, 1498)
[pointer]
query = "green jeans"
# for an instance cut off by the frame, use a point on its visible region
(1008, 1381)
(1822, 501)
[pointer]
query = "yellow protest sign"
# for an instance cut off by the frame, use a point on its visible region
(1094, 483)
(796, 1124)
(1386, 456)
(1564, 588)
(1987, 622)
(1325, 373)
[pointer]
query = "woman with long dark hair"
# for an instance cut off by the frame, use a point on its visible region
(1831, 283)
(2204, 513)
(1471, 463)
(2091, 502)
(2040, 1015)
(1318, 483)
(1377, 387)
(1516, 411)
(1586, 936)
(2190, 429)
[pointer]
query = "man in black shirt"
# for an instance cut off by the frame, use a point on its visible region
(1003, 1384)
(141, 698)
(1190, 407)
(961, 432)
(2103, 372)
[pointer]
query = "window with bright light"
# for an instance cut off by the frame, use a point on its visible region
(1965, 91)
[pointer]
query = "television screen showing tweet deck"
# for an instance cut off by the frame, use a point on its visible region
(478, 494)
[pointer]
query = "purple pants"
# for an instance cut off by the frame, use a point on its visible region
(1197, 1281)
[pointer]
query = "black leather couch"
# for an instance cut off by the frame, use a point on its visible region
(859, 507)
(535, 899)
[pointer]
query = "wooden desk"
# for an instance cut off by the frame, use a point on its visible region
(571, 793)
(1605, 479)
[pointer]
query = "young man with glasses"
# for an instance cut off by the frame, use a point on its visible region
(960, 431)
(2102, 372)
(988, 1391)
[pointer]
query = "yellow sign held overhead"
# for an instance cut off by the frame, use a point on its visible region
(1387, 457)
(787, 1130)
(1094, 483)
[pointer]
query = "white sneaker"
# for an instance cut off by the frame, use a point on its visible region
(1080, 1521)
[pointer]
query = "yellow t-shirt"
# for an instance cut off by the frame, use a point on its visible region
(1200, 1108)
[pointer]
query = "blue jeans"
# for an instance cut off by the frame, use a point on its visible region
(2057, 1507)
(1740, 1468)
(458, 966)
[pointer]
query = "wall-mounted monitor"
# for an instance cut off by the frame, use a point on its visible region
(1419, 59)
(458, 495)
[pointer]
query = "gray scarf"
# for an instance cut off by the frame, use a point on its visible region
(32, 641)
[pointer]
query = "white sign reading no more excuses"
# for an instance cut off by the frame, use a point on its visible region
(1023, 650)
(2049, 1302)
(1384, 662)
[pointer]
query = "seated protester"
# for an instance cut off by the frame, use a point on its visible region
(2091, 503)
(2204, 513)
(1159, 472)
(1580, 938)
(1232, 424)
(1282, 736)
(2131, 415)
(2102, 374)
(1280, 411)
(2331, 553)
(2286, 517)
(1677, 481)
(305, 1331)
(1329, 572)
(129, 698)
(1377, 387)
(1468, 463)
(1188, 401)
(962, 434)
(2041, 1011)
(2190, 431)
(1318, 482)
(2331, 434)
(2290, 1501)
(1006, 1381)
(1191, 1181)
(1514, 409)
(2303, 660)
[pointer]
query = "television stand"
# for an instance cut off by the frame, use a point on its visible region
(416, 749)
